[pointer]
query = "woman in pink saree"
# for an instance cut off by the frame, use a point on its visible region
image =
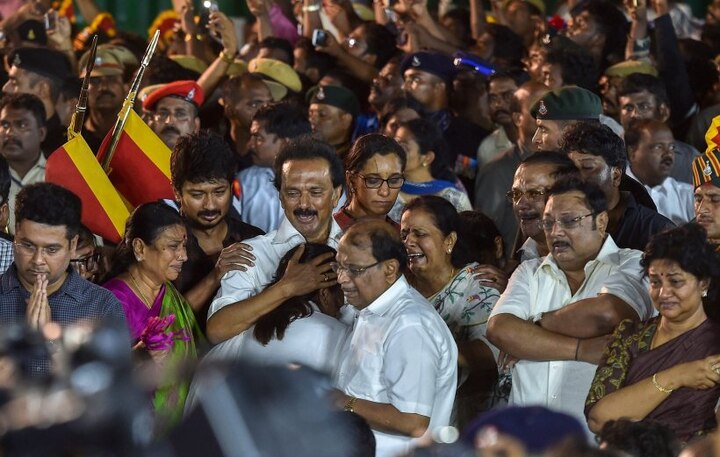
(160, 320)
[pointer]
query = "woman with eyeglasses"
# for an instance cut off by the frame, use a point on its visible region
(87, 258)
(160, 320)
(441, 269)
(667, 369)
(374, 173)
(428, 171)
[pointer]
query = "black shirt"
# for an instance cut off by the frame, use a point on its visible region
(56, 135)
(638, 224)
(199, 264)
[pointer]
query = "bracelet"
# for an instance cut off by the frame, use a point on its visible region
(577, 349)
(311, 8)
(225, 57)
(350, 405)
(657, 385)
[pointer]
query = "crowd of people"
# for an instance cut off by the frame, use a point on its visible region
(389, 228)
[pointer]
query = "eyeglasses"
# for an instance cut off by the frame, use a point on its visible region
(163, 116)
(566, 223)
(29, 249)
(533, 194)
(375, 182)
(351, 271)
(88, 262)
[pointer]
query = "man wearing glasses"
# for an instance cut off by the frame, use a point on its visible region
(309, 177)
(535, 175)
(175, 107)
(556, 316)
(40, 286)
(398, 369)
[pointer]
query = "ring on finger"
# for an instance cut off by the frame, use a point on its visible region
(325, 277)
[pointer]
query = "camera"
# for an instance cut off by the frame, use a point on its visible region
(319, 37)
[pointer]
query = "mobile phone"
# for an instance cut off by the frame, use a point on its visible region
(319, 37)
(50, 20)
(211, 6)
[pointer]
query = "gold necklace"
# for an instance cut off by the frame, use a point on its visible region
(144, 299)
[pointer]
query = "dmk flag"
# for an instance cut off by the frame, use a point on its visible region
(712, 136)
(140, 166)
(74, 167)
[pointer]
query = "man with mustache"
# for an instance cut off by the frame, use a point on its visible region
(175, 108)
(202, 169)
(535, 175)
(557, 314)
(601, 157)
(501, 88)
(41, 72)
(495, 179)
(22, 130)
(40, 287)
(106, 92)
(706, 180)
(309, 176)
(651, 153)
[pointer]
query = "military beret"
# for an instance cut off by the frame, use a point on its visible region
(435, 63)
(43, 61)
(337, 96)
(107, 63)
(566, 104)
(189, 91)
(706, 169)
(33, 31)
(629, 67)
(278, 76)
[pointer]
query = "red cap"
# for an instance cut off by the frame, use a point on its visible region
(189, 91)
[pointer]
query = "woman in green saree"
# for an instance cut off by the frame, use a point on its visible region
(160, 320)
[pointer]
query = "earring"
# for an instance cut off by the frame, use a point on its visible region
(137, 257)
(704, 293)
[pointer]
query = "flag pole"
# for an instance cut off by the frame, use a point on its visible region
(128, 103)
(78, 117)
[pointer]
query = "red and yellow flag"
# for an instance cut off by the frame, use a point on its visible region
(140, 166)
(74, 167)
(712, 135)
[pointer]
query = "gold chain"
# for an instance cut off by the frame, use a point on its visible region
(147, 302)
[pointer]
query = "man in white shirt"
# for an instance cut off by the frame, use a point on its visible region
(272, 126)
(22, 130)
(557, 313)
(533, 178)
(309, 177)
(651, 153)
(398, 369)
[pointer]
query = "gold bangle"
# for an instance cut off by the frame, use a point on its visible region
(659, 387)
(350, 405)
(226, 57)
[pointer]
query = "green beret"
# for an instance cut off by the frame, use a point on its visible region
(566, 104)
(336, 96)
(629, 67)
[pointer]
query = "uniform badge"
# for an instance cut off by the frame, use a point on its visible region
(98, 61)
(191, 94)
(542, 109)
(16, 61)
(546, 39)
(707, 171)
(320, 94)
(31, 35)
(415, 61)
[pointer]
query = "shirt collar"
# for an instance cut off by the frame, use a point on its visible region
(387, 299)
(39, 164)
(286, 233)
